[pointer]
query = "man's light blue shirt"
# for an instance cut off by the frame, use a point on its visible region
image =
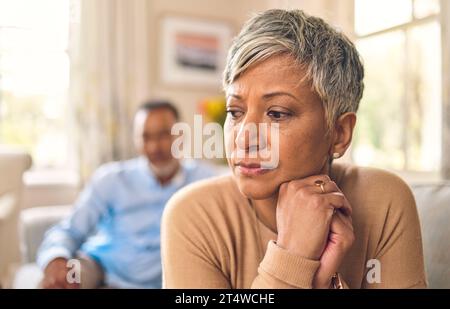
(116, 221)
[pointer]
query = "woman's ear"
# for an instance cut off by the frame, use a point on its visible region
(343, 133)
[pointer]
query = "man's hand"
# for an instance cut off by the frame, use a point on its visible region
(315, 224)
(55, 275)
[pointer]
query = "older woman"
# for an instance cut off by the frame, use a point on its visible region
(305, 222)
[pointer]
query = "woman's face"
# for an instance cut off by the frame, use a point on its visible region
(271, 92)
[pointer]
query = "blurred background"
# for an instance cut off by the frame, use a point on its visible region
(72, 73)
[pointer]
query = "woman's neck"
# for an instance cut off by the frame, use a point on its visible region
(266, 211)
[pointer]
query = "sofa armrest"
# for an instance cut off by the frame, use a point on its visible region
(34, 222)
(7, 205)
(8, 225)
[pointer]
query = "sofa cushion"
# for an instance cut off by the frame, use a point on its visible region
(433, 204)
(34, 222)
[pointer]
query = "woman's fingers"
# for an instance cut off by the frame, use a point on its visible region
(309, 181)
(341, 224)
(305, 205)
(342, 203)
(319, 184)
(337, 200)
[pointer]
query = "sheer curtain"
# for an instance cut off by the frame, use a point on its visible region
(109, 78)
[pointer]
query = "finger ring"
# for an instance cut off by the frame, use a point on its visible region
(321, 184)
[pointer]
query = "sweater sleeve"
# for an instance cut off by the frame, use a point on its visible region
(398, 259)
(280, 269)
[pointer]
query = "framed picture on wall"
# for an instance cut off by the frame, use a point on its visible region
(193, 51)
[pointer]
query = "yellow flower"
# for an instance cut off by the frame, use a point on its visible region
(214, 109)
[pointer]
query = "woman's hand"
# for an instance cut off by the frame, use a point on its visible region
(340, 239)
(309, 226)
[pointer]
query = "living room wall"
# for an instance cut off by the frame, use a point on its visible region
(235, 13)
(232, 12)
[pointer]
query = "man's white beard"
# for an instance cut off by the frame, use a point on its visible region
(166, 170)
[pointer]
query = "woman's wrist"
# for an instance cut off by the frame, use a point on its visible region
(324, 285)
(293, 246)
(334, 282)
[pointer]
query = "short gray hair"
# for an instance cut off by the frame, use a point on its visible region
(330, 59)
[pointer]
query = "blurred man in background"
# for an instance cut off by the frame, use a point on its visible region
(121, 208)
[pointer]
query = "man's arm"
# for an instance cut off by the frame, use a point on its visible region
(63, 240)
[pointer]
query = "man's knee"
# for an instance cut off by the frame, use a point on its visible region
(91, 273)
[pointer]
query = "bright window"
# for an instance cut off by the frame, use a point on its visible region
(399, 124)
(34, 78)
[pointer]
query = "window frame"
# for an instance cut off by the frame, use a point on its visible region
(443, 18)
(445, 42)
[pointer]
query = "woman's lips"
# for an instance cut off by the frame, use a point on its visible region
(251, 169)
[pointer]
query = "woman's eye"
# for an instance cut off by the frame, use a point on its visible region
(276, 115)
(234, 113)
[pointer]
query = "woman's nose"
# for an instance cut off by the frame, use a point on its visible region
(249, 136)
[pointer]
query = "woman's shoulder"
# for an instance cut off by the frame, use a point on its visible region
(358, 175)
(207, 195)
(373, 187)
(372, 179)
(212, 187)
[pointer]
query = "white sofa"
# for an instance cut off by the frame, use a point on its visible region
(433, 202)
(13, 163)
(34, 222)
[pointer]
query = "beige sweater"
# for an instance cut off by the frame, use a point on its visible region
(211, 237)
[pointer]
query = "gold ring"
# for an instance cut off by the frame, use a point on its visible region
(321, 184)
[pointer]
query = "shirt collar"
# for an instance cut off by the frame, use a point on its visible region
(178, 180)
(180, 177)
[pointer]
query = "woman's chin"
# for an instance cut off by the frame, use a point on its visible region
(256, 188)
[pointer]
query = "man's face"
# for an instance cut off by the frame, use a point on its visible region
(152, 136)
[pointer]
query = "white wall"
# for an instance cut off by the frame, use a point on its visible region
(338, 13)
(232, 12)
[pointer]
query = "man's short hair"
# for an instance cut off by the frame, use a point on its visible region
(159, 104)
